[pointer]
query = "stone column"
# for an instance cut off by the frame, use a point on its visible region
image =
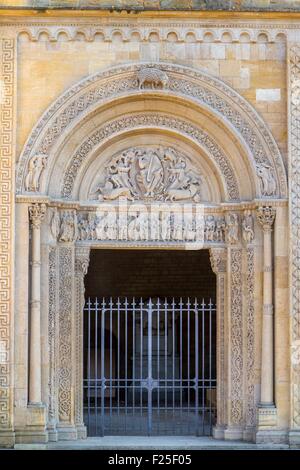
(218, 259)
(82, 259)
(267, 411)
(36, 423)
(36, 213)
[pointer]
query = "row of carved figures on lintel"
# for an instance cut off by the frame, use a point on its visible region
(68, 226)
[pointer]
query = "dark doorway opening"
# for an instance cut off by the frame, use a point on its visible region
(150, 343)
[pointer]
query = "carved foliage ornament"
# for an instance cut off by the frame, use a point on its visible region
(180, 80)
(295, 227)
(161, 121)
(266, 216)
(161, 174)
(36, 214)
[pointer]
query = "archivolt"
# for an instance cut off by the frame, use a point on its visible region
(205, 91)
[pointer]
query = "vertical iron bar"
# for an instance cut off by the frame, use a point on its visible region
(89, 363)
(166, 364)
(203, 365)
(110, 359)
(118, 359)
(210, 383)
(180, 336)
(103, 368)
(158, 362)
(196, 368)
(126, 360)
(149, 367)
(96, 362)
(173, 359)
(188, 361)
(133, 356)
(141, 357)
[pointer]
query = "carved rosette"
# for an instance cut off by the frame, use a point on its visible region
(36, 214)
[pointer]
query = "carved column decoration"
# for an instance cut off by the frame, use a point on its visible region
(36, 214)
(294, 169)
(236, 341)
(266, 217)
(218, 259)
(82, 260)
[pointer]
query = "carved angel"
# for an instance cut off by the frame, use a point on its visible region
(268, 183)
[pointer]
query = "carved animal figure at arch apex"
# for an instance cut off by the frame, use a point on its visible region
(151, 173)
(153, 77)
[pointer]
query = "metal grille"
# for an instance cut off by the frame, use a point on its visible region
(150, 367)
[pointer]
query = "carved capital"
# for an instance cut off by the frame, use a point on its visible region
(82, 261)
(81, 266)
(266, 216)
(218, 260)
(36, 214)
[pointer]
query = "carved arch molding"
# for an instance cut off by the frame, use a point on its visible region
(229, 231)
(208, 93)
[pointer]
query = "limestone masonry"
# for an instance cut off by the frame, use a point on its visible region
(131, 133)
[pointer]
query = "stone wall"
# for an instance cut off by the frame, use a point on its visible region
(201, 5)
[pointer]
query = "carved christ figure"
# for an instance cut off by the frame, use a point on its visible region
(150, 172)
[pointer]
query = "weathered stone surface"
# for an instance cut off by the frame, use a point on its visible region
(200, 5)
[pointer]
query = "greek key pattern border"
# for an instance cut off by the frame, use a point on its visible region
(6, 198)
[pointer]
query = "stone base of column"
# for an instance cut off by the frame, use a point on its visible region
(234, 433)
(266, 430)
(218, 432)
(249, 434)
(271, 437)
(81, 431)
(66, 432)
(52, 433)
(34, 431)
(294, 438)
(7, 439)
(266, 417)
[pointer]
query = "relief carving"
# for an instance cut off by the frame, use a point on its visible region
(248, 227)
(153, 77)
(36, 166)
(68, 226)
(161, 174)
(267, 180)
(232, 228)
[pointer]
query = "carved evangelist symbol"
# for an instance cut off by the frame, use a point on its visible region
(151, 173)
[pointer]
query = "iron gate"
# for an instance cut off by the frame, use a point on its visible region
(150, 367)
